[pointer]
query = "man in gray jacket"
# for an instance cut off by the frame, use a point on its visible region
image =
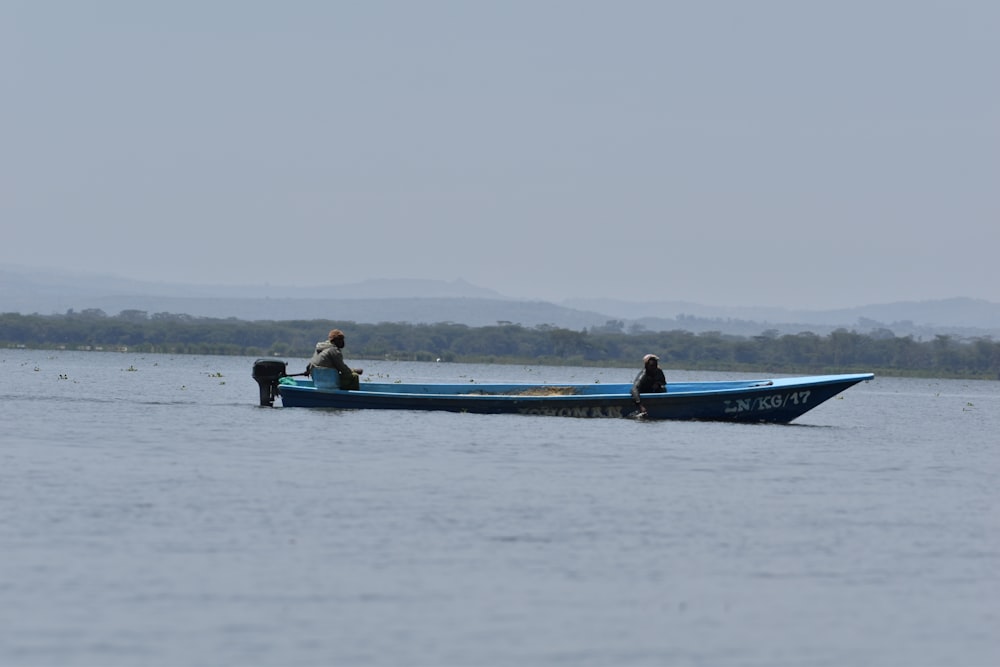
(329, 355)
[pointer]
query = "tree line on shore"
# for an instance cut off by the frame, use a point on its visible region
(840, 351)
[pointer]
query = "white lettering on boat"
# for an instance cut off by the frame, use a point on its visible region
(770, 402)
(576, 411)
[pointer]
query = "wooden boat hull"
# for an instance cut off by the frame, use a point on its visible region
(778, 400)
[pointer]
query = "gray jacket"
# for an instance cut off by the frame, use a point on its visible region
(329, 355)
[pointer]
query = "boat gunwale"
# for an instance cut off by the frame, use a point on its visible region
(478, 392)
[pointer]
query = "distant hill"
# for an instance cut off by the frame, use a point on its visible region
(956, 312)
(56, 286)
(427, 301)
(415, 301)
(960, 316)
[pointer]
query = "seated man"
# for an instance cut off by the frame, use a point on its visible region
(329, 355)
(649, 380)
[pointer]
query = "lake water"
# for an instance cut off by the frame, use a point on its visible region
(151, 513)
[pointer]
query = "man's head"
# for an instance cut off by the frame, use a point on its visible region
(337, 337)
(650, 361)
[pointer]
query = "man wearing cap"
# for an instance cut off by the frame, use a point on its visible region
(329, 355)
(649, 380)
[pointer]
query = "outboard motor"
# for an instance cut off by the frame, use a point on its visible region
(267, 372)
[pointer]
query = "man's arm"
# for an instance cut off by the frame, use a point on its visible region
(338, 362)
(635, 387)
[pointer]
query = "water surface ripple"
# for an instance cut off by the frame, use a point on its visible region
(152, 514)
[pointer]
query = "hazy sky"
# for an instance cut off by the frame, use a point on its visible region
(797, 153)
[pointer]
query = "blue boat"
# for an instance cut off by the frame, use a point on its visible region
(776, 400)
